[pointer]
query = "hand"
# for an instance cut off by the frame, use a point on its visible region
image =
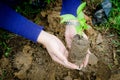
(86, 60)
(56, 49)
(70, 32)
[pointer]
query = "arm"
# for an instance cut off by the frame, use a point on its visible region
(70, 7)
(14, 22)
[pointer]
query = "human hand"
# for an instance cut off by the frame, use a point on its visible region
(70, 32)
(56, 49)
(86, 60)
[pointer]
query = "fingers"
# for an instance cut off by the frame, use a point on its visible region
(85, 36)
(62, 59)
(66, 53)
(86, 60)
(71, 65)
(67, 37)
(81, 66)
(69, 34)
(89, 51)
(68, 41)
(65, 63)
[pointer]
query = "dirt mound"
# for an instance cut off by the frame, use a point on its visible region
(30, 61)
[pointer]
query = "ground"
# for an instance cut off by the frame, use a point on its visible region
(31, 61)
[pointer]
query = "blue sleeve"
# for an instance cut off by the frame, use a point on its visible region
(70, 6)
(16, 23)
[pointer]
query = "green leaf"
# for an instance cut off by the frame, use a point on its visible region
(82, 22)
(81, 7)
(85, 26)
(7, 53)
(80, 16)
(117, 20)
(67, 17)
(78, 29)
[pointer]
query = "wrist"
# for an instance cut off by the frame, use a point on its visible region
(73, 23)
(42, 37)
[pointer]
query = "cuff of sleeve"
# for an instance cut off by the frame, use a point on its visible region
(70, 6)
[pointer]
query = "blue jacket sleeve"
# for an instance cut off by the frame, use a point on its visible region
(70, 6)
(16, 23)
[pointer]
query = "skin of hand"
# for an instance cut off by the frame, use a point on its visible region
(56, 49)
(70, 32)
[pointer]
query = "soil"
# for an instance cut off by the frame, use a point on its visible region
(31, 61)
(79, 48)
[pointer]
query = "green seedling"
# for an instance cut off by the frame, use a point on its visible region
(48, 1)
(2, 76)
(6, 49)
(116, 43)
(80, 18)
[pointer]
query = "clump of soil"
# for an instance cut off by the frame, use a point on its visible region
(79, 49)
(22, 62)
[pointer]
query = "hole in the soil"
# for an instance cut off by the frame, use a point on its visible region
(1, 52)
(46, 60)
(118, 53)
(85, 76)
(57, 32)
(93, 76)
(16, 78)
(15, 69)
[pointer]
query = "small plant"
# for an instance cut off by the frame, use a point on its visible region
(114, 17)
(2, 76)
(48, 1)
(116, 43)
(4, 36)
(7, 50)
(80, 17)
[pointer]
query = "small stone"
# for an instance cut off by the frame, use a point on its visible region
(43, 14)
(68, 78)
(93, 59)
(90, 31)
(115, 77)
(99, 39)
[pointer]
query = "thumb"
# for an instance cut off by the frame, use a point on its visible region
(71, 65)
(68, 41)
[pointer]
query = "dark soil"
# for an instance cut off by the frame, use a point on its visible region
(79, 48)
(31, 61)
